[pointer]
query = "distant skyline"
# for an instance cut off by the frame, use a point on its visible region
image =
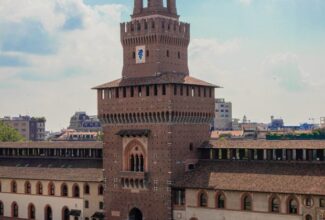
(268, 55)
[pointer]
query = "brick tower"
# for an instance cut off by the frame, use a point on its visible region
(154, 117)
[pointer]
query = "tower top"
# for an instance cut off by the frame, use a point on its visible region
(154, 7)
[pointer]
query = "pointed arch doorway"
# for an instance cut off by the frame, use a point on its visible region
(135, 214)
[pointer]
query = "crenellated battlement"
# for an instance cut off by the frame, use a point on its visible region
(155, 26)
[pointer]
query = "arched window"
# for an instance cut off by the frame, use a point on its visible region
(135, 157)
(308, 217)
(247, 203)
(76, 191)
(1, 209)
(31, 211)
(65, 213)
(86, 189)
(28, 188)
(0, 187)
(274, 204)
(14, 210)
(100, 190)
(220, 201)
(13, 186)
(64, 189)
(292, 206)
(48, 213)
(39, 188)
(203, 199)
(51, 189)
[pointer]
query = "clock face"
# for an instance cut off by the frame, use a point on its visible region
(140, 54)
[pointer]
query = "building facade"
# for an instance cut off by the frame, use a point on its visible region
(29, 127)
(51, 180)
(223, 115)
(81, 122)
(155, 117)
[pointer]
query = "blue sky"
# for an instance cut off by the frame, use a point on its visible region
(267, 54)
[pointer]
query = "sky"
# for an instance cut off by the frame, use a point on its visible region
(268, 55)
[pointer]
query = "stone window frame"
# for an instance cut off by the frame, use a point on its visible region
(13, 186)
(288, 205)
(51, 189)
(86, 189)
(200, 199)
(39, 188)
(243, 202)
(271, 199)
(31, 215)
(63, 193)
(76, 190)
(28, 187)
(14, 209)
(218, 194)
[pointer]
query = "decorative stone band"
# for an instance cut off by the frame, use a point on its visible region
(158, 117)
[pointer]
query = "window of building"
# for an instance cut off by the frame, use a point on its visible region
(220, 201)
(139, 91)
(64, 190)
(179, 55)
(199, 91)
(86, 189)
(14, 186)
(309, 217)
(86, 204)
(0, 187)
(147, 90)
(101, 205)
(132, 91)
(203, 199)
(65, 213)
(39, 188)
(309, 202)
(1, 209)
(133, 55)
(28, 188)
(147, 53)
(31, 212)
(51, 189)
(164, 89)
(322, 203)
(292, 206)
(155, 90)
(76, 191)
(167, 53)
(179, 197)
(100, 189)
(48, 213)
(14, 210)
(181, 90)
(247, 203)
(192, 91)
(275, 205)
(210, 92)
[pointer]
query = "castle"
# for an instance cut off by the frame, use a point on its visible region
(158, 161)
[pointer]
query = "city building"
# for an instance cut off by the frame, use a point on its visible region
(159, 161)
(81, 122)
(73, 135)
(276, 123)
(30, 128)
(223, 115)
(51, 180)
(322, 122)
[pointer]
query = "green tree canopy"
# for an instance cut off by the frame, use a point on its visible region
(9, 134)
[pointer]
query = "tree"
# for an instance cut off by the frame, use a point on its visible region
(9, 134)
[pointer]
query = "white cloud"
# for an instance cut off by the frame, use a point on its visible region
(57, 84)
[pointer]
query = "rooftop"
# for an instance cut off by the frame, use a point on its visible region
(55, 174)
(54, 144)
(265, 144)
(307, 179)
(165, 78)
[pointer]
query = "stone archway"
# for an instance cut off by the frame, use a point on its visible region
(135, 214)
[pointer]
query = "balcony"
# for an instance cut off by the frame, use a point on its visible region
(133, 180)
